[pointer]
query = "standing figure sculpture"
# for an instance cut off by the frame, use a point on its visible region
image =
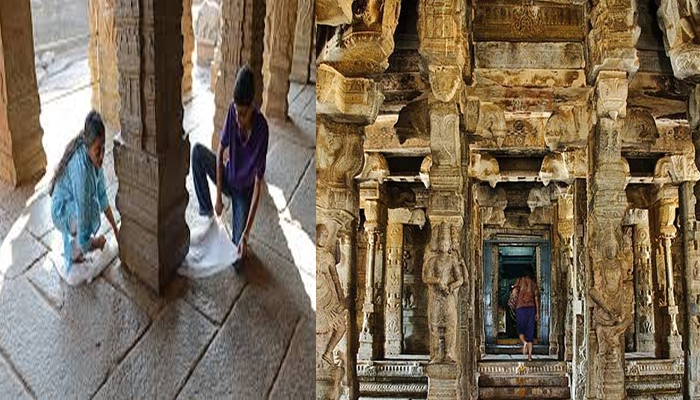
(444, 274)
(330, 315)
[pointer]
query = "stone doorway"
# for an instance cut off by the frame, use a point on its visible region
(505, 260)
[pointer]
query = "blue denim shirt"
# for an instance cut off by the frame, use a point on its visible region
(79, 195)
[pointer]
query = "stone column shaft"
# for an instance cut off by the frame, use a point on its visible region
(188, 43)
(241, 43)
(102, 58)
(22, 156)
(151, 156)
(302, 41)
(280, 24)
(393, 314)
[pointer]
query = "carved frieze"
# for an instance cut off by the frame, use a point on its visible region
(491, 123)
(514, 20)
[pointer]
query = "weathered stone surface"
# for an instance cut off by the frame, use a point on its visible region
(301, 203)
(159, 364)
(333, 12)
(214, 296)
(136, 291)
(224, 370)
(188, 44)
(280, 23)
(286, 165)
(10, 386)
(79, 342)
(295, 379)
(21, 154)
(38, 214)
(541, 55)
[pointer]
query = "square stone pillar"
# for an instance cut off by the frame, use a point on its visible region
(102, 58)
(280, 26)
(151, 156)
(302, 41)
(242, 35)
(188, 39)
(22, 156)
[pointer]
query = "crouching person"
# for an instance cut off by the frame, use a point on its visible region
(79, 194)
(245, 138)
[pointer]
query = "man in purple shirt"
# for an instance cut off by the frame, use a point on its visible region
(245, 136)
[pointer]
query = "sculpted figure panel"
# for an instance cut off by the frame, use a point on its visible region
(443, 272)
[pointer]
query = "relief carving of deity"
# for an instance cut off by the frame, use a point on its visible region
(443, 272)
(331, 311)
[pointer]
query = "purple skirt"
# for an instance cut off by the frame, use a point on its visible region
(525, 322)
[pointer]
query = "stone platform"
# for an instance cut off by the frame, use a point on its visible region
(244, 336)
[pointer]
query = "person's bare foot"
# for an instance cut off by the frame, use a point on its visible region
(525, 348)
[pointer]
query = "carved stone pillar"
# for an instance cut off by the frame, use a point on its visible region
(665, 210)
(691, 252)
(691, 245)
(188, 46)
(611, 291)
(151, 157)
(22, 156)
(375, 219)
(644, 298)
(580, 282)
(393, 312)
(241, 43)
(565, 227)
(302, 41)
(280, 24)
(102, 58)
(344, 107)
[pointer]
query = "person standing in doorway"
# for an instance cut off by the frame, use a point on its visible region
(527, 310)
(245, 137)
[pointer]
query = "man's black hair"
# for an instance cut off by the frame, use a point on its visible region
(244, 89)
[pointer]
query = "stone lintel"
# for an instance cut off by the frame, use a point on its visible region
(527, 55)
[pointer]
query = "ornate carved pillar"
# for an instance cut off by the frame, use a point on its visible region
(644, 322)
(665, 210)
(151, 157)
(188, 43)
(302, 41)
(565, 227)
(280, 24)
(691, 245)
(344, 107)
(22, 156)
(393, 315)
(611, 291)
(242, 35)
(102, 58)
(375, 219)
(580, 282)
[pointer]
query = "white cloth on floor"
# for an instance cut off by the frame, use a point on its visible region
(95, 262)
(211, 249)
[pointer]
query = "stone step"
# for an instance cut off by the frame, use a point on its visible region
(520, 381)
(523, 392)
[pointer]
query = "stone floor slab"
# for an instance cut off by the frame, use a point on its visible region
(302, 206)
(296, 377)
(157, 367)
(10, 386)
(38, 215)
(69, 353)
(286, 163)
(246, 354)
(214, 295)
(19, 250)
(119, 276)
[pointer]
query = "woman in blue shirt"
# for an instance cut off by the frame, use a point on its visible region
(78, 192)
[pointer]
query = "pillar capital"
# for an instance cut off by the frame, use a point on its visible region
(346, 100)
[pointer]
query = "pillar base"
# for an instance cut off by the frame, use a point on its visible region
(443, 381)
(154, 237)
(368, 347)
(675, 346)
(328, 382)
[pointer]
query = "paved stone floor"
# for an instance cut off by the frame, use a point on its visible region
(247, 336)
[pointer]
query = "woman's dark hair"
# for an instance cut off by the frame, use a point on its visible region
(244, 89)
(94, 129)
(529, 272)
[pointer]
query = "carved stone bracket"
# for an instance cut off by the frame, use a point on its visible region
(492, 203)
(676, 169)
(680, 36)
(407, 216)
(333, 12)
(484, 167)
(540, 202)
(554, 168)
(611, 94)
(347, 100)
(375, 168)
